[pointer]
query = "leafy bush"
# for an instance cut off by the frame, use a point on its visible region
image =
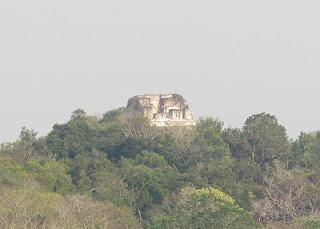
(205, 208)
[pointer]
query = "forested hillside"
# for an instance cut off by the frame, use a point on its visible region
(119, 172)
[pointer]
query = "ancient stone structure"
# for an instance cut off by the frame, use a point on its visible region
(162, 110)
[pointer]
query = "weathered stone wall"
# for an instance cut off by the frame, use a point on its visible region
(163, 110)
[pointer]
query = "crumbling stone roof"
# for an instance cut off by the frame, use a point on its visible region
(162, 109)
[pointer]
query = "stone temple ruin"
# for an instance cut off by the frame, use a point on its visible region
(162, 110)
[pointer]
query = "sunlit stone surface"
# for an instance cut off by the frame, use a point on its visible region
(163, 110)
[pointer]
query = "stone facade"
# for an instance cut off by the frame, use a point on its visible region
(162, 110)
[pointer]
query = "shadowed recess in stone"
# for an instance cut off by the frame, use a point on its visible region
(162, 110)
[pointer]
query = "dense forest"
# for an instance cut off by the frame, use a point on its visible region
(120, 172)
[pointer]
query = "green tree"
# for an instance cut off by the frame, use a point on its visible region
(78, 114)
(205, 208)
(209, 139)
(11, 173)
(113, 115)
(24, 149)
(238, 144)
(305, 152)
(267, 139)
(52, 174)
(94, 174)
(151, 178)
(78, 136)
(28, 208)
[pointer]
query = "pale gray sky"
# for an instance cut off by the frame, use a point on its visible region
(229, 58)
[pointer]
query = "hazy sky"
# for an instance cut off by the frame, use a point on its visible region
(229, 58)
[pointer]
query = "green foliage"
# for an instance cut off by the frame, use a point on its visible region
(11, 173)
(78, 136)
(31, 208)
(96, 175)
(113, 115)
(150, 177)
(121, 172)
(238, 144)
(151, 160)
(78, 114)
(129, 148)
(307, 223)
(27, 208)
(52, 174)
(306, 152)
(26, 147)
(209, 138)
(90, 165)
(267, 139)
(205, 208)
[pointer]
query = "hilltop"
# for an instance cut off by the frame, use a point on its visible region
(123, 172)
